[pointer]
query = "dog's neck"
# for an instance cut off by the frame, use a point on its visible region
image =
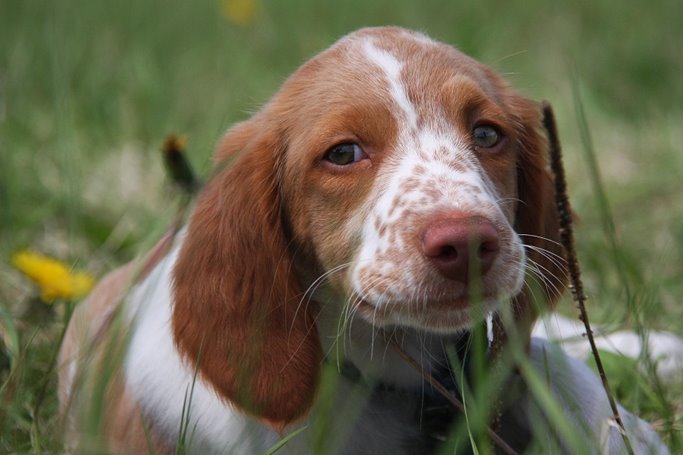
(397, 395)
(355, 344)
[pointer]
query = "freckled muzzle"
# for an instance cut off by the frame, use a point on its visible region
(426, 278)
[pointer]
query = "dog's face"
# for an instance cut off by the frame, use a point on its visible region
(391, 176)
(400, 175)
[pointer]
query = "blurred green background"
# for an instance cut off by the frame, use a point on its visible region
(89, 89)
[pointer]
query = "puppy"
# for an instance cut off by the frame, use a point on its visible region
(392, 186)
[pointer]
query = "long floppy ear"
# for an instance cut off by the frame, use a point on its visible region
(236, 299)
(537, 221)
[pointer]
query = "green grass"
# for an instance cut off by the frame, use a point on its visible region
(89, 89)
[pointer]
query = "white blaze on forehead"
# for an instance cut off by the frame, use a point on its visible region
(392, 70)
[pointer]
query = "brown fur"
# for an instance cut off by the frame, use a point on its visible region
(241, 322)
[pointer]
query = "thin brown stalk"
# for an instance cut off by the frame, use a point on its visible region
(567, 238)
(497, 440)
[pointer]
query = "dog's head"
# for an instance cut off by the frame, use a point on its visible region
(396, 174)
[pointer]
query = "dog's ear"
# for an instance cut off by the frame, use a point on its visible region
(236, 139)
(237, 312)
(536, 219)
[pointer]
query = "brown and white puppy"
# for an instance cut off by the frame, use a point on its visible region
(387, 174)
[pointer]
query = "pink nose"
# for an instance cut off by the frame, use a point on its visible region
(455, 245)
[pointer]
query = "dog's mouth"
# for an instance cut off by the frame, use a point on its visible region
(444, 316)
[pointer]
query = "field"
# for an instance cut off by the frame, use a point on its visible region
(89, 90)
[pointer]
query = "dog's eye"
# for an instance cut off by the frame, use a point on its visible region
(344, 154)
(485, 136)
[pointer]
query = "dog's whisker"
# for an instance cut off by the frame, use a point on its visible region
(540, 237)
(557, 256)
(544, 272)
(541, 274)
(549, 257)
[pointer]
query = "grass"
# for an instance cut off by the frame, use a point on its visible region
(88, 90)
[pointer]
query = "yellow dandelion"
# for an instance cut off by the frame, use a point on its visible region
(53, 277)
(240, 12)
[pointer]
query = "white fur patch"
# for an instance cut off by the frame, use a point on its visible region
(392, 70)
(159, 379)
(663, 347)
(580, 394)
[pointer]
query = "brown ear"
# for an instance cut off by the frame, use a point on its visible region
(236, 139)
(537, 221)
(237, 311)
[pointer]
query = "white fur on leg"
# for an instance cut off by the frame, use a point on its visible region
(665, 348)
(584, 401)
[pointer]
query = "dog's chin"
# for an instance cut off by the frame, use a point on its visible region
(440, 317)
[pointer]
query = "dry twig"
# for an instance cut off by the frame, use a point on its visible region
(567, 237)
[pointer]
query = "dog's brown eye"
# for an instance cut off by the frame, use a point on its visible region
(485, 136)
(344, 154)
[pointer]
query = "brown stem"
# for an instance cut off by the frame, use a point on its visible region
(567, 238)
